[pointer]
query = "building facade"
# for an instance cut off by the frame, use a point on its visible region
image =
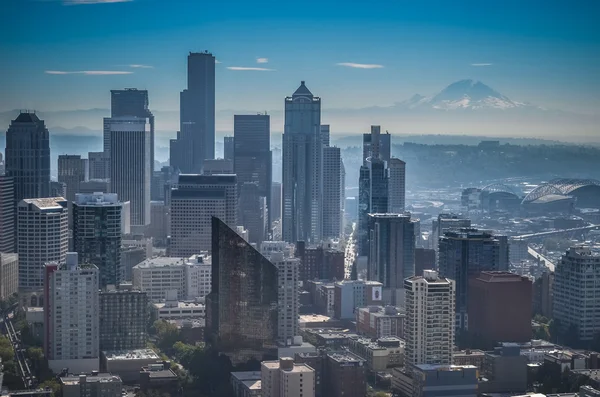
(9, 275)
(43, 236)
(396, 186)
(372, 198)
(284, 378)
(71, 172)
(429, 323)
(332, 193)
(302, 179)
(7, 214)
(346, 375)
(94, 385)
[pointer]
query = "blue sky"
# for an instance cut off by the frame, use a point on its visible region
(544, 52)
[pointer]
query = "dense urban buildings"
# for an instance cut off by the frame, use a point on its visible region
(43, 236)
(577, 291)
(194, 200)
(28, 157)
(320, 262)
(7, 214)
(71, 172)
(498, 309)
(392, 254)
(130, 165)
(71, 315)
(97, 234)
(350, 294)
(464, 253)
(284, 378)
(9, 275)
(197, 110)
(429, 323)
(241, 319)
(302, 181)
(123, 318)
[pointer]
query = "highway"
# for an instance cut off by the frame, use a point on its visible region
(536, 255)
(555, 232)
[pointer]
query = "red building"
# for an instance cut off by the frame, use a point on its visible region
(320, 263)
(499, 307)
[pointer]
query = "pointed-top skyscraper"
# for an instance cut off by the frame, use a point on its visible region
(302, 167)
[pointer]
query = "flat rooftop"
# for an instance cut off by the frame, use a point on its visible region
(179, 305)
(99, 378)
(246, 375)
(345, 358)
(139, 354)
(314, 318)
(161, 261)
(296, 368)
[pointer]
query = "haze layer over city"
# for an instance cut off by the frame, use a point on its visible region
(316, 199)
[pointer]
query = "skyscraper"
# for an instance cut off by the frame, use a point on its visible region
(429, 322)
(242, 307)
(396, 185)
(376, 144)
(181, 151)
(302, 167)
(253, 212)
(28, 157)
(71, 315)
(392, 254)
(464, 253)
(228, 146)
(71, 172)
(332, 192)
(133, 102)
(197, 107)
(445, 222)
(130, 168)
(7, 214)
(43, 236)
(97, 234)
(252, 157)
(194, 200)
(372, 198)
(98, 163)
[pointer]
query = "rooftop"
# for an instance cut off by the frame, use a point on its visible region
(246, 375)
(99, 378)
(433, 367)
(27, 117)
(161, 261)
(139, 354)
(50, 203)
(345, 358)
(180, 305)
(296, 368)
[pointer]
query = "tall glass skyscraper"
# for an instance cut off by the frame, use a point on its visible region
(302, 167)
(372, 198)
(28, 157)
(242, 309)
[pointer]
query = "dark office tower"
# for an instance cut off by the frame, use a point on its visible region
(241, 319)
(445, 222)
(97, 234)
(98, 164)
(28, 157)
(424, 260)
(332, 192)
(397, 185)
(228, 147)
(377, 145)
(133, 102)
(275, 210)
(71, 172)
(372, 198)
(123, 318)
(392, 254)
(345, 375)
(302, 168)
(252, 157)
(197, 107)
(181, 151)
(464, 253)
(319, 263)
(253, 212)
(7, 214)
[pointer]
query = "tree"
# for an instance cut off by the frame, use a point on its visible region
(53, 385)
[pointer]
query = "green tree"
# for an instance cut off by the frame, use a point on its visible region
(53, 385)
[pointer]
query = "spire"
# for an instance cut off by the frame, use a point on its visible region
(302, 90)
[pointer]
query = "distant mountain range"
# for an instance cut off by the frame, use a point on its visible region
(465, 107)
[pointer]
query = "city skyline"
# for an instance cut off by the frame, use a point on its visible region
(399, 51)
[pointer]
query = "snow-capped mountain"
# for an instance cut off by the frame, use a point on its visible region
(464, 94)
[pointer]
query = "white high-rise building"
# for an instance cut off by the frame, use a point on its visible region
(43, 236)
(194, 201)
(332, 192)
(429, 322)
(288, 300)
(72, 313)
(284, 378)
(302, 173)
(577, 291)
(9, 275)
(130, 165)
(396, 185)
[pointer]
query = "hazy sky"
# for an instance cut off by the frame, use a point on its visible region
(544, 52)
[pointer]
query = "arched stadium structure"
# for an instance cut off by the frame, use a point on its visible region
(562, 195)
(498, 196)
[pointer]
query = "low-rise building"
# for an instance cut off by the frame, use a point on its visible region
(246, 383)
(352, 294)
(469, 357)
(284, 378)
(380, 322)
(127, 364)
(159, 377)
(93, 385)
(177, 310)
(427, 380)
(379, 355)
(346, 375)
(504, 370)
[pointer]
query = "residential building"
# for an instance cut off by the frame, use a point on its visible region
(99, 166)
(71, 172)
(284, 378)
(332, 193)
(28, 157)
(429, 323)
(345, 375)
(7, 214)
(320, 262)
(242, 308)
(464, 253)
(9, 275)
(94, 385)
(576, 291)
(252, 156)
(72, 314)
(392, 254)
(315, 360)
(302, 168)
(351, 294)
(131, 165)
(498, 307)
(194, 201)
(246, 383)
(197, 109)
(123, 318)
(396, 186)
(380, 322)
(97, 221)
(42, 237)
(288, 299)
